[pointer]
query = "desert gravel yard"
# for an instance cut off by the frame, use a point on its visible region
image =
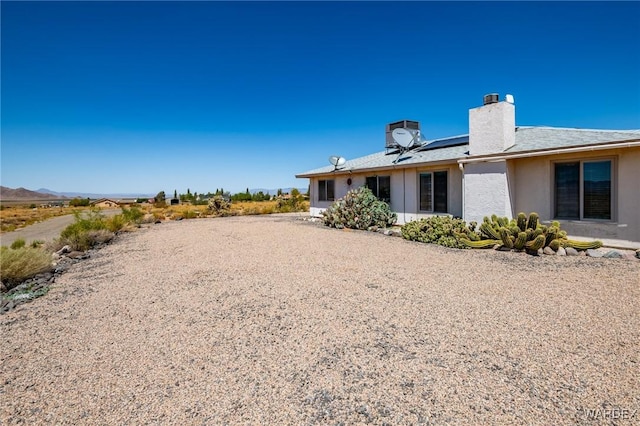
(274, 320)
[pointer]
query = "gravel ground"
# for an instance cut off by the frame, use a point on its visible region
(274, 320)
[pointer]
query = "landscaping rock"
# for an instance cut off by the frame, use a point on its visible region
(612, 255)
(76, 254)
(594, 253)
(63, 250)
(638, 253)
(548, 250)
(571, 251)
(540, 252)
(582, 253)
(561, 251)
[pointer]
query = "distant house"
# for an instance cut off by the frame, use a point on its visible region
(587, 179)
(105, 203)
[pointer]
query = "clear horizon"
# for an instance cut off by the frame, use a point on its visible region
(140, 97)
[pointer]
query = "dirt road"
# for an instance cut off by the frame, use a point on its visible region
(44, 231)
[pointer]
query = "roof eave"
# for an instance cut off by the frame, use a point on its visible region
(551, 151)
(375, 169)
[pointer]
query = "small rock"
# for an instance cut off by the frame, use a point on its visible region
(612, 255)
(571, 251)
(540, 252)
(55, 256)
(582, 253)
(638, 253)
(3, 289)
(158, 221)
(63, 250)
(594, 253)
(548, 250)
(75, 254)
(497, 246)
(629, 256)
(561, 251)
(504, 248)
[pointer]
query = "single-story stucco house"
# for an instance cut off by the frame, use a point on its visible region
(105, 203)
(587, 179)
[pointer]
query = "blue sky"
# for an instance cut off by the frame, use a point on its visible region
(121, 97)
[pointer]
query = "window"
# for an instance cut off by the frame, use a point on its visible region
(583, 190)
(326, 190)
(433, 192)
(380, 186)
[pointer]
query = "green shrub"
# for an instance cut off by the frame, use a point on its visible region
(132, 215)
(79, 202)
(439, 230)
(81, 235)
(18, 265)
(18, 243)
(116, 222)
(295, 203)
(359, 209)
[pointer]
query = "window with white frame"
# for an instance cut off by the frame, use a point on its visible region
(380, 186)
(433, 192)
(583, 189)
(326, 190)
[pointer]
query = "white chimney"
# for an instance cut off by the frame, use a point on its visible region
(492, 127)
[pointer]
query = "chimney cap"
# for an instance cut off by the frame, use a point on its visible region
(491, 98)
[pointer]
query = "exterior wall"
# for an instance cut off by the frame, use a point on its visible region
(341, 189)
(487, 190)
(404, 191)
(534, 192)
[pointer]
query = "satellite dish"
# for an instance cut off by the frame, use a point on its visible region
(404, 137)
(337, 161)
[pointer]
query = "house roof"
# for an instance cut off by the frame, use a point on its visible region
(452, 149)
(102, 200)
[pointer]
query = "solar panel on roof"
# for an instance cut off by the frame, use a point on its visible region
(446, 143)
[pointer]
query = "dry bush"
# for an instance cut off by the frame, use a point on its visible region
(21, 264)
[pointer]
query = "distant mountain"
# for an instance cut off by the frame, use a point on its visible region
(9, 194)
(93, 195)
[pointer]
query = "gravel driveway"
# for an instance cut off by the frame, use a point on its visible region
(273, 320)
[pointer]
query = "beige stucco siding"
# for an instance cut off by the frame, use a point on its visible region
(532, 179)
(404, 190)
